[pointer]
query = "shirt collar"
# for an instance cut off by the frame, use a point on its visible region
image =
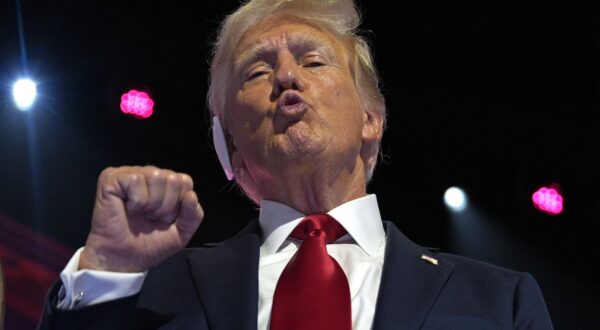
(360, 217)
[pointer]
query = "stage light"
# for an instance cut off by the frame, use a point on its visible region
(455, 199)
(548, 199)
(24, 93)
(138, 104)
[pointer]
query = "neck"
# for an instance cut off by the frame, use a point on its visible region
(317, 191)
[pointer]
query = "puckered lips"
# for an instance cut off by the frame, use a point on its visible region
(290, 108)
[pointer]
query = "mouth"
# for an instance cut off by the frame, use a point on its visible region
(291, 108)
(291, 105)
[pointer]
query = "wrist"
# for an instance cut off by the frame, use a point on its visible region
(89, 259)
(96, 259)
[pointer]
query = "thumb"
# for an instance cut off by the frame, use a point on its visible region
(190, 216)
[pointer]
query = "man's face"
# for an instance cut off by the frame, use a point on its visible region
(295, 104)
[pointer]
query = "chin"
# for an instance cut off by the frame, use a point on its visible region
(299, 143)
(300, 151)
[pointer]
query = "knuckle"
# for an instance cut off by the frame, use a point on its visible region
(135, 200)
(163, 213)
(168, 215)
(156, 213)
(105, 183)
(107, 172)
(131, 177)
(187, 180)
(168, 218)
(104, 190)
(155, 173)
(154, 176)
(171, 178)
(154, 204)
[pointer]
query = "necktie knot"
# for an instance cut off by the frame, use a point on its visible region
(319, 225)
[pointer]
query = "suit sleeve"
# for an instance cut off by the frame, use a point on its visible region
(530, 311)
(117, 314)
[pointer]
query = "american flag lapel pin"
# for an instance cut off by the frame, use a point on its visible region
(430, 260)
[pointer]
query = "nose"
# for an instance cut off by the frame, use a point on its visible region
(288, 75)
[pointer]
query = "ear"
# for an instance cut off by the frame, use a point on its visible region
(220, 143)
(372, 130)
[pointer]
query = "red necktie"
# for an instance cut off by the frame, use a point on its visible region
(313, 292)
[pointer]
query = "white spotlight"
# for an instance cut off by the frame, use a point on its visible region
(24, 93)
(455, 199)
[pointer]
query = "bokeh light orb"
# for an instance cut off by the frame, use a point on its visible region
(548, 200)
(455, 199)
(24, 94)
(137, 104)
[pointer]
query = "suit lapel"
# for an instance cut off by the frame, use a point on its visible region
(226, 278)
(409, 284)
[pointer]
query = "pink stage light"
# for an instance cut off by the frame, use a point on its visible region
(137, 104)
(548, 199)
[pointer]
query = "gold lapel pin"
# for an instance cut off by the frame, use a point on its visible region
(430, 260)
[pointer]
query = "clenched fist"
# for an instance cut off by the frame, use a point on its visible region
(142, 215)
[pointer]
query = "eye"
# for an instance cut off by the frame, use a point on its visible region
(314, 61)
(314, 64)
(255, 75)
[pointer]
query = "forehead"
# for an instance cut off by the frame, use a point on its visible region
(284, 32)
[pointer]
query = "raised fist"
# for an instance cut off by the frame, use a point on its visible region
(142, 215)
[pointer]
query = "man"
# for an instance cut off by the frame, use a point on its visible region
(298, 118)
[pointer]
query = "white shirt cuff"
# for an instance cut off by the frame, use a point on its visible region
(82, 288)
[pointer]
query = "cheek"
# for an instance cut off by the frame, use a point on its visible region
(337, 92)
(341, 98)
(249, 109)
(337, 86)
(328, 82)
(248, 120)
(248, 102)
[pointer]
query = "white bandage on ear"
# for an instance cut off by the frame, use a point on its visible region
(221, 147)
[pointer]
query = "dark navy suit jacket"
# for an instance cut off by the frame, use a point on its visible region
(217, 288)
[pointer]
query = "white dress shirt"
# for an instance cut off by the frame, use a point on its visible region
(360, 254)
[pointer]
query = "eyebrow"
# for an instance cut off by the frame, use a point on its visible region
(299, 42)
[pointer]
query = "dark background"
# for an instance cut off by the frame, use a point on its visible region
(499, 97)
